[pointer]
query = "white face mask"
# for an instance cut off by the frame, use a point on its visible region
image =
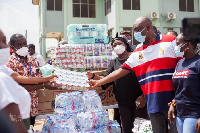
(22, 51)
(4, 56)
(119, 49)
(178, 52)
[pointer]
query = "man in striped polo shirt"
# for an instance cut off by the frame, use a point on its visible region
(153, 61)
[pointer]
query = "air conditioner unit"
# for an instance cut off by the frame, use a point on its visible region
(171, 16)
(154, 15)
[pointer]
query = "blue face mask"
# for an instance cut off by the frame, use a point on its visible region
(139, 37)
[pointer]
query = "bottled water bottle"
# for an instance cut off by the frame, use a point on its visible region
(92, 120)
(114, 127)
(69, 102)
(77, 113)
(92, 101)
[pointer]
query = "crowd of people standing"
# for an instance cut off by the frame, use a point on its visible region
(160, 77)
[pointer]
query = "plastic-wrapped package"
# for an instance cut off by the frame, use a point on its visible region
(75, 115)
(89, 50)
(114, 127)
(87, 33)
(92, 102)
(92, 120)
(96, 49)
(97, 62)
(104, 61)
(103, 49)
(142, 126)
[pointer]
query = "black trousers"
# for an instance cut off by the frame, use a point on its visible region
(128, 114)
(117, 116)
(32, 120)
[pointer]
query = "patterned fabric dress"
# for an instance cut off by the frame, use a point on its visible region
(28, 69)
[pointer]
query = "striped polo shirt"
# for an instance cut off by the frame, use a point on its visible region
(154, 66)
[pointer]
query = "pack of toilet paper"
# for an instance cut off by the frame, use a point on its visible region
(87, 33)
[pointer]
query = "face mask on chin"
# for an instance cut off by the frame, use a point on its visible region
(119, 49)
(22, 51)
(4, 56)
(139, 37)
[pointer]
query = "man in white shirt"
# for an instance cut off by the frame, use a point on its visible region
(33, 54)
(12, 102)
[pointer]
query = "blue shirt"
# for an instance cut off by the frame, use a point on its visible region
(186, 80)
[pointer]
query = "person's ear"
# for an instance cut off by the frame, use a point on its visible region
(148, 27)
(189, 45)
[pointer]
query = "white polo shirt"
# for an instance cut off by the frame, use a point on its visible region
(6, 70)
(12, 92)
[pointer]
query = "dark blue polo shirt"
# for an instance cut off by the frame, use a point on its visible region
(186, 80)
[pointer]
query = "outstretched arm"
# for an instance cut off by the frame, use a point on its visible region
(110, 78)
(39, 86)
(31, 80)
(91, 75)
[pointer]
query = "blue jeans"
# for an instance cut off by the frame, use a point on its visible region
(186, 125)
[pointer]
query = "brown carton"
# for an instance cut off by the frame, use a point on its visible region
(46, 108)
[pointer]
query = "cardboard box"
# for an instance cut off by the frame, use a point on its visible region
(107, 96)
(46, 108)
(48, 95)
(100, 73)
(45, 95)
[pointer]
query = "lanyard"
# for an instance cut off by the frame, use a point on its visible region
(25, 66)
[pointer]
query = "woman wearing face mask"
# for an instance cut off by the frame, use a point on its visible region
(186, 80)
(126, 89)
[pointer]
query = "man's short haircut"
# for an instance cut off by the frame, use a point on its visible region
(14, 37)
(175, 33)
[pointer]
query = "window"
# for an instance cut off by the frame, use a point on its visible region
(107, 4)
(169, 29)
(186, 5)
(54, 5)
(84, 8)
(50, 4)
(131, 4)
(110, 35)
(58, 5)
